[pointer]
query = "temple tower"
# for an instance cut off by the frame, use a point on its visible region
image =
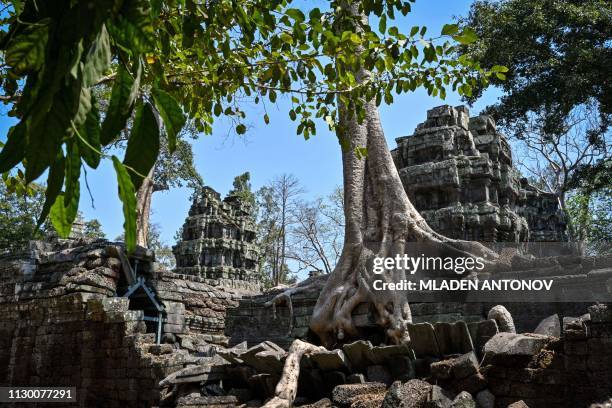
(219, 242)
(459, 174)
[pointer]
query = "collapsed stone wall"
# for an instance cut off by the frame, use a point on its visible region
(196, 306)
(570, 371)
(574, 277)
(446, 365)
(62, 324)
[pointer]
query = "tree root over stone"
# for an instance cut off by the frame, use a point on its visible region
(286, 389)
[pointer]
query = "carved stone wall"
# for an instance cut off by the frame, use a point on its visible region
(459, 174)
(218, 242)
(63, 322)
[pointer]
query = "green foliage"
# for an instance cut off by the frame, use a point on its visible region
(63, 214)
(242, 188)
(163, 251)
(93, 229)
(172, 114)
(190, 61)
(591, 219)
(19, 209)
(559, 52)
(127, 194)
(143, 147)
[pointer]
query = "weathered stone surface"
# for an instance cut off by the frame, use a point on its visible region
(458, 173)
(607, 404)
(511, 348)
(218, 242)
(379, 373)
(472, 384)
(265, 357)
(457, 368)
(358, 353)
(485, 399)
(263, 385)
(412, 394)
(329, 360)
(481, 332)
(453, 338)
(551, 326)
(423, 339)
(463, 400)
(518, 404)
(344, 395)
(440, 398)
(200, 401)
(323, 403)
(503, 318)
(600, 313)
(389, 354)
(356, 379)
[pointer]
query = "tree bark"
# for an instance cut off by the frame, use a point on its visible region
(143, 209)
(286, 389)
(380, 220)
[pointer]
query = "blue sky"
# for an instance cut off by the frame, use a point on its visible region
(270, 150)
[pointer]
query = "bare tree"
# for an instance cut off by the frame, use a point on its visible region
(277, 205)
(316, 236)
(552, 159)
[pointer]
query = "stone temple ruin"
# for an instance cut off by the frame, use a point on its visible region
(458, 173)
(218, 242)
(204, 335)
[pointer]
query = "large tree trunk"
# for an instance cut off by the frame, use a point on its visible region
(379, 222)
(143, 209)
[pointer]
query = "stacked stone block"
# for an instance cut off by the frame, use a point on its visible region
(458, 173)
(63, 322)
(218, 242)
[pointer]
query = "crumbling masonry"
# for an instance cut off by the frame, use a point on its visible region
(458, 172)
(218, 242)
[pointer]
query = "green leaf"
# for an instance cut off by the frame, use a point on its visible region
(450, 29)
(73, 171)
(123, 95)
(143, 145)
(382, 24)
(266, 119)
(467, 36)
(62, 215)
(171, 113)
(98, 59)
(127, 195)
(296, 15)
(26, 51)
(55, 180)
(133, 29)
(90, 131)
(499, 68)
(14, 150)
(241, 129)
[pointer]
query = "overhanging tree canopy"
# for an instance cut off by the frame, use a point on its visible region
(177, 59)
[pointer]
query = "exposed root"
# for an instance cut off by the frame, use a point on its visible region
(285, 297)
(286, 389)
(503, 318)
